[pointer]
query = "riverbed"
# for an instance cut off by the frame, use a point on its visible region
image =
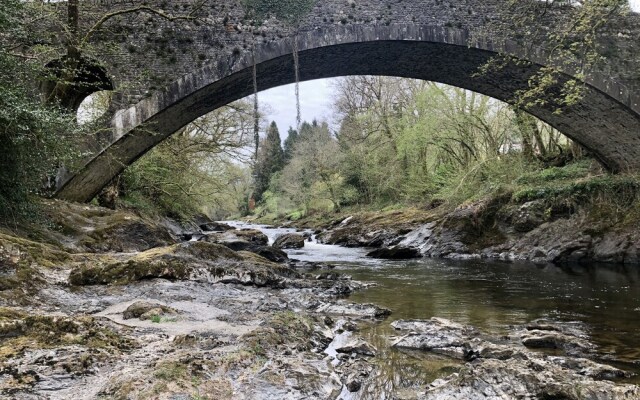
(492, 296)
(198, 319)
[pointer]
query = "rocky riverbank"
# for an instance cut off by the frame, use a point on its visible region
(110, 305)
(497, 228)
(155, 318)
(506, 367)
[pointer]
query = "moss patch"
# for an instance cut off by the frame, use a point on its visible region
(200, 261)
(22, 332)
(22, 263)
(282, 329)
(16, 250)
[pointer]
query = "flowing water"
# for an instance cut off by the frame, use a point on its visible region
(491, 296)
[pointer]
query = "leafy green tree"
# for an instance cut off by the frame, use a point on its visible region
(578, 42)
(196, 170)
(314, 171)
(34, 138)
(406, 141)
(270, 159)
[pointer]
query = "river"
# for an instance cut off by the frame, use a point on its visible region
(491, 296)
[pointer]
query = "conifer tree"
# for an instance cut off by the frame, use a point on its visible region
(289, 142)
(270, 160)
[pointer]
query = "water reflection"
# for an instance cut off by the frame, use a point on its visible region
(492, 296)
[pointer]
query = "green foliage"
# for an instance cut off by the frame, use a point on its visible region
(289, 11)
(404, 142)
(35, 139)
(313, 176)
(195, 171)
(292, 137)
(490, 178)
(608, 199)
(409, 141)
(572, 171)
(270, 160)
(614, 186)
(572, 45)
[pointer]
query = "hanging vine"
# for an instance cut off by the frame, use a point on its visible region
(296, 65)
(256, 105)
(291, 13)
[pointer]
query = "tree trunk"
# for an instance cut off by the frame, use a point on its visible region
(527, 126)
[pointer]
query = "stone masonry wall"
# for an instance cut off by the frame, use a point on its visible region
(143, 52)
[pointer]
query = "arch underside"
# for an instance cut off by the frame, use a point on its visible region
(607, 127)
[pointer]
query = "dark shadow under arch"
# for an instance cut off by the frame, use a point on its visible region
(88, 77)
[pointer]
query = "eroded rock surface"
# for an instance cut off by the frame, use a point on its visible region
(289, 241)
(500, 368)
(197, 261)
(493, 228)
(179, 321)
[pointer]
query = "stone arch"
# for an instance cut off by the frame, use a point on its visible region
(89, 77)
(606, 121)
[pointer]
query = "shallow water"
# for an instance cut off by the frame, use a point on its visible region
(492, 296)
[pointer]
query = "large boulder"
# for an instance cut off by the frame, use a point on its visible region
(216, 227)
(289, 241)
(270, 253)
(376, 229)
(436, 335)
(127, 235)
(196, 261)
(239, 240)
(91, 229)
(252, 235)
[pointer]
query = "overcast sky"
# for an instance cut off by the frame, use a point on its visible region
(316, 98)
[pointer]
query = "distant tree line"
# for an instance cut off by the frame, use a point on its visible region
(401, 141)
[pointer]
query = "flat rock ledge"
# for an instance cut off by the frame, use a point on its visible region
(507, 369)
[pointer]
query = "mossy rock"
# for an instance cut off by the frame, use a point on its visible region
(22, 263)
(197, 261)
(21, 332)
(282, 329)
(252, 235)
(19, 251)
(144, 310)
(83, 227)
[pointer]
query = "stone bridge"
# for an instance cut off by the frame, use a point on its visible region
(169, 73)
